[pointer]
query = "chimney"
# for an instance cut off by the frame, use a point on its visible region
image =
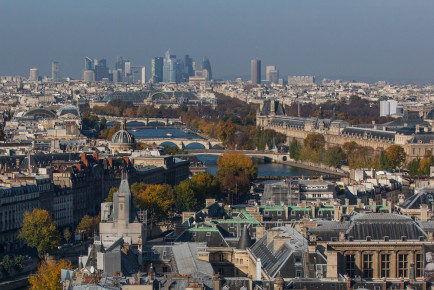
(424, 212)
(95, 156)
(271, 234)
(83, 157)
(401, 198)
(347, 201)
(260, 231)
(384, 202)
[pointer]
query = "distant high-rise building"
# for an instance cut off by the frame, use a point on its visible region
(388, 107)
(89, 76)
(301, 80)
(143, 75)
(117, 75)
(88, 63)
(206, 64)
(127, 68)
(34, 74)
(188, 65)
(269, 68)
(101, 70)
(256, 71)
(55, 71)
(169, 68)
(157, 69)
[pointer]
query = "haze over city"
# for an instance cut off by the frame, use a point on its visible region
(363, 40)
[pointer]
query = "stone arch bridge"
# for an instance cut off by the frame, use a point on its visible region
(144, 121)
(183, 143)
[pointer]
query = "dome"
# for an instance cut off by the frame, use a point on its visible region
(123, 137)
(68, 109)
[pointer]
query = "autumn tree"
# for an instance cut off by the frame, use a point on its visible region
(396, 155)
(48, 275)
(39, 231)
(112, 191)
(334, 155)
(157, 199)
(7, 265)
(205, 185)
(236, 171)
(67, 235)
(88, 225)
(19, 263)
(314, 141)
(426, 163)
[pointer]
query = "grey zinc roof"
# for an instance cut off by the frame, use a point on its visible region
(185, 256)
(272, 260)
(379, 225)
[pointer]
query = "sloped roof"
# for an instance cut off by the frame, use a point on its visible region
(185, 256)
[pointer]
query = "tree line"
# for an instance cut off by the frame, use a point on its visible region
(313, 149)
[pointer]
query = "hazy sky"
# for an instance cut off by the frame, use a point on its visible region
(349, 39)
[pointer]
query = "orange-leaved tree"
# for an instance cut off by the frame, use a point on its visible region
(48, 275)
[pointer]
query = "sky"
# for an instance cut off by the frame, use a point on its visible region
(362, 40)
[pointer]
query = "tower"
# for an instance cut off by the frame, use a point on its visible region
(34, 74)
(55, 71)
(143, 75)
(256, 71)
(169, 68)
(206, 64)
(157, 69)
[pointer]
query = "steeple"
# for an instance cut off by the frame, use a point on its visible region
(245, 241)
(124, 208)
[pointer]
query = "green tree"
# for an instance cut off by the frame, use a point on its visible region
(19, 263)
(413, 166)
(185, 196)
(7, 264)
(2, 134)
(88, 225)
(334, 155)
(39, 231)
(205, 185)
(236, 171)
(112, 191)
(294, 149)
(384, 162)
(396, 155)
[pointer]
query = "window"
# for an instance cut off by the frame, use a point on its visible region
(292, 212)
(279, 213)
(298, 273)
(351, 265)
(266, 213)
(367, 266)
(403, 265)
(385, 265)
(297, 259)
(208, 234)
(419, 265)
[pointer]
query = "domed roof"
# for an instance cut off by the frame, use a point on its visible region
(123, 136)
(68, 109)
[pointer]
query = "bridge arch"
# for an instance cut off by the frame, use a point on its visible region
(169, 143)
(195, 145)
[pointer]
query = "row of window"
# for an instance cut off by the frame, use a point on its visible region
(385, 265)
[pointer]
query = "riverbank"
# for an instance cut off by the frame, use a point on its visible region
(314, 167)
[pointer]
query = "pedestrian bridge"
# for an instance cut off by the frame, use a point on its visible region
(144, 121)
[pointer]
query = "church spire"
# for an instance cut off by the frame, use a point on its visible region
(124, 124)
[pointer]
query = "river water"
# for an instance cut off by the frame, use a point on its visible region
(264, 169)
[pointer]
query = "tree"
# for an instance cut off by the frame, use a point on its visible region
(112, 191)
(314, 141)
(19, 263)
(7, 264)
(334, 155)
(205, 185)
(396, 155)
(157, 199)
(67, 235)
(39, 231)
(294, 149)
(48, 275)
(88, 225)
(236, 171)
(185, 196)
(413, 167)
(2, 134)
(385, 163)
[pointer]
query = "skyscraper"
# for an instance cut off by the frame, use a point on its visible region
(101, 70)
(157, 69)
(256, 71)
(169, 68)
(89, 76)
(269, 68)
(55, 71)
(206, 64)
(143, 75)
(188, 65)
(34, 74)
(88, 63)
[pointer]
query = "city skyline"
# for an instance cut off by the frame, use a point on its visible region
(383, 41)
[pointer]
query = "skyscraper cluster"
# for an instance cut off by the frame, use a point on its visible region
(170, 69)
(271, 73)
(97, 70)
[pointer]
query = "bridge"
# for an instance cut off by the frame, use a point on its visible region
(145, 121)
(184, 143)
